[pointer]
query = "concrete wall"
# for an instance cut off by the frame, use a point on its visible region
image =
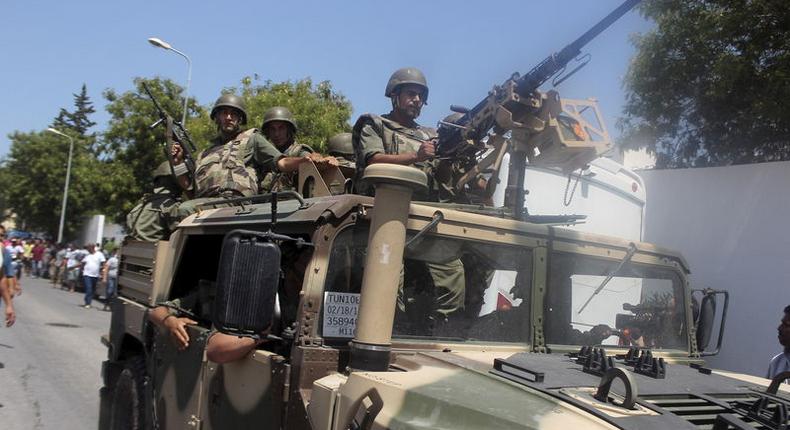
(731, 225)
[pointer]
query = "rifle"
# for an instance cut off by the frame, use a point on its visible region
(517, 106)
(174, 133)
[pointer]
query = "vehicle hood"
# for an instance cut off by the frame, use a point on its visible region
(440, 390)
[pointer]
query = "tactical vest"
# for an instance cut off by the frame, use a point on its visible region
(397, 139)
(223, 169)
(281, 181)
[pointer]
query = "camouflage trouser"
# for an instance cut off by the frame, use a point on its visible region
(449, 288)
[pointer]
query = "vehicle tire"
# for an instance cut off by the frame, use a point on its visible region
(128, 402)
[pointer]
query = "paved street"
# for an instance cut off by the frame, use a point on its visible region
(50, 360)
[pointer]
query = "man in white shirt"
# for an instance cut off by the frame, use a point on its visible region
(781, 362)
(91, 267)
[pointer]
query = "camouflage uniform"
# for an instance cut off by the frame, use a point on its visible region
(374, 134)
(232, 168)
(279, 181)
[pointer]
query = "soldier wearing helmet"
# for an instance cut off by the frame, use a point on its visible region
(151, 218)
(341, 147)
(236, 160)
(279, 127)
(396, 137)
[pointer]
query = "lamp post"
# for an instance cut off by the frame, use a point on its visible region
(159, 43)
(65, 187)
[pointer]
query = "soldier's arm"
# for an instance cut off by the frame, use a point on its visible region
(165, 319)
(372, 150)
(271, 159)
(224, 348)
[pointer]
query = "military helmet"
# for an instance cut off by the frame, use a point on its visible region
(279, 113)
(340, 144)
(407, 75)
(230, 100)
(163, 170)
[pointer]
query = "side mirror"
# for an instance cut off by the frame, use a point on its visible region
(705, 319)
(247, 283)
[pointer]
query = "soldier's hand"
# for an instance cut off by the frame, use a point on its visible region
(427, 150)
(178, 331)
(177, 153)
(328, 161)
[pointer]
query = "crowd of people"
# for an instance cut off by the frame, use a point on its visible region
(65, 266)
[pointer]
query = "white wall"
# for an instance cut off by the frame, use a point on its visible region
(731, 225)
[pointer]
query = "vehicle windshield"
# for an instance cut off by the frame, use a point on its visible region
(641, 305)
(450, 290)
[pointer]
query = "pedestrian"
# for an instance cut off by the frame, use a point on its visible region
(37, 256)
(781, 362)
(91, 266)
(110, 277)
(6, 279)
(72, 267)
(59, 266)
(27, 255)
(15, 251)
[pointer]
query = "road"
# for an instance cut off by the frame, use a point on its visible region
(50, 360)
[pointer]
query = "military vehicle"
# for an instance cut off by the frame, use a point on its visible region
(374, 310)
(533, 362)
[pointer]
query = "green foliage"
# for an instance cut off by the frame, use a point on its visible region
(711, 84)
(35, 173)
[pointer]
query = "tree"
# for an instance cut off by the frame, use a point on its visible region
(710, 85)
(35, 173)
(77, 121)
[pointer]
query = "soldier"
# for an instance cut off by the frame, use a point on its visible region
(395, 137)
(236, 159)
(152, 219)
(280, 128)
(341, 147)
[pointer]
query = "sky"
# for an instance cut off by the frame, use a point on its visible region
(48, 49)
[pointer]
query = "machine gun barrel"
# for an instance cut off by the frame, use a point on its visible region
(556, 62)
(525, 85)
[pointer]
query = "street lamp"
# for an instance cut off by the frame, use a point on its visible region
(65, 187)
(159, 43)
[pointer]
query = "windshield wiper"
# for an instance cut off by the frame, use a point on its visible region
(630, 253)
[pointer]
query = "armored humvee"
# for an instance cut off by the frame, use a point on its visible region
(361, 341)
